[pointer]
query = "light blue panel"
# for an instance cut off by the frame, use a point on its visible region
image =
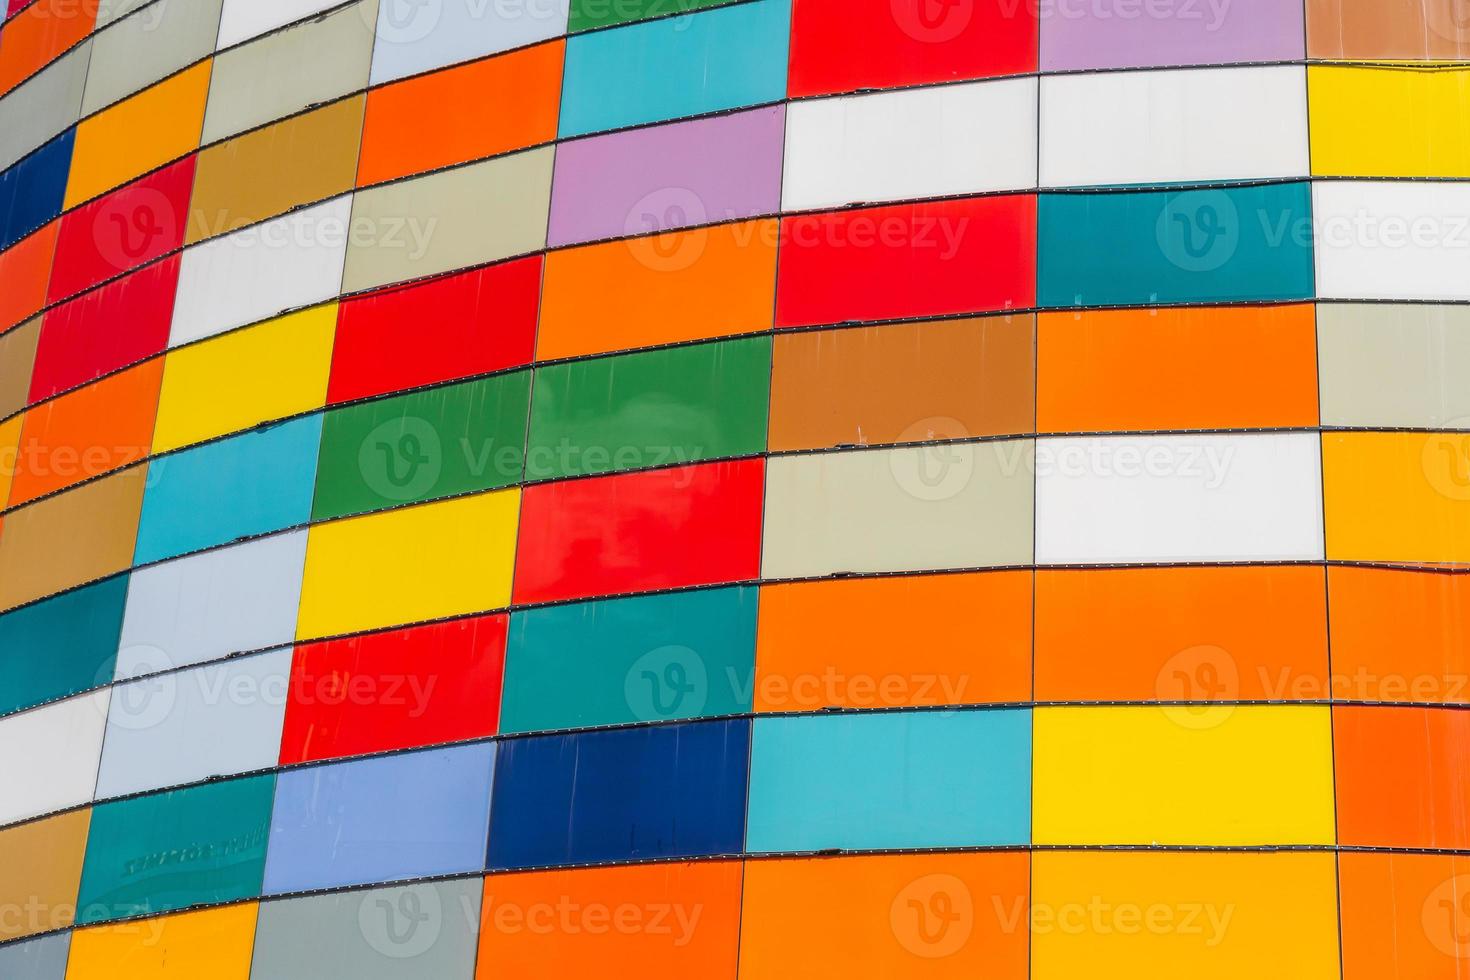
(890, 780)
(679, 66)
(36, 959)
(414, 36)
(250, 484)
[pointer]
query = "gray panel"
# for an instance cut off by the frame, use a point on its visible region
(280, 74)
(208, 606)
(150, 45)
(36, 959)
(414, 36)
(43, 106)
(416, 932)
(113, 10)
(1394, 365)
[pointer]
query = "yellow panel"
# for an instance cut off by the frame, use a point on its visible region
(137, 135)
(409, 565)
(1385, 122)
(229, 383)
(215, 943)
(9, 446)
(1217, 775)
(1165, 915)
(1397, 496)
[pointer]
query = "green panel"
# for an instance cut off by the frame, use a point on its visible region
(657, 408)
(422, 446)
(618, 661)
(62, 645)
(195, 846)
(589, 14)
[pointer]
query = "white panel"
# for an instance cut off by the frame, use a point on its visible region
(244, 19)
(259, 272)
(48, 757)
(420, 35)
(1392, 240)
(927, 142)
(218, 720)
(1138, 127)
(1178, 498)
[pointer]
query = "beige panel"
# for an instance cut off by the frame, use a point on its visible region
(1394, 365)
(150, 45)
(44, 105)
(892, 510)
(449, 220)
(283, 73)
(17, 356)
(43, 864)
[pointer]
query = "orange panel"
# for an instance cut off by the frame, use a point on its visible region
(916, 916)
(1404, 916)
(467, 113)
(894, 642)
(660, 289)
(35, 36)
(1215, 368)
(87, 432)
(25, 269)
(1399, 635)
(644, 922)
(1186, 634)
(1403, 776)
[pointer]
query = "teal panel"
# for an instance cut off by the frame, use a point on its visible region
(62, 645)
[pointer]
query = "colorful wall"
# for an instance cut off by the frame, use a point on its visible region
(766, 489)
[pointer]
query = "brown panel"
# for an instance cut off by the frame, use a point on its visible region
(1389, 29)
(268, 172)
(43, 865)
(908, 382)
(74, 537)
(17, 355)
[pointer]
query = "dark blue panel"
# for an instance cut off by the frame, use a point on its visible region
(621, 795)
(32, 191)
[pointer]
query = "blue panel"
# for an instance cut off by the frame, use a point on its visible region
(384, 819)
(891, 780)
(32, 191)
(414, 36)
(622, 795)
(678, 66)
(253, 483)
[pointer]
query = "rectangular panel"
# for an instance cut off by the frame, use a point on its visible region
(420, 446)
(587, 15)
(1087, 36)
(1181, 368)
(244, 19)
(664, 177)
(682, 285)
(60, 646)
(1396, 496)
(137, 51)
(964, 505)
(1391, 240)
(395, 817)
(1193, 246)
(136, 846)
(1394, 364)
(626, 794)
(26, 267)
(621, 661)
(208, 606)
(725, 58)
(1428, 140)
(450, 220)
(1402, 776)
(213, 943)
(38, 34)
(950, 379)
(43, 864)
(639, 532)
(874, 916)
(1238, 775)
(247, 485)
(52, 753)
(44, 106)
(284, 264)
(908, 260)
(1400, 635)
(403, 689)
(1385, 29)
(900, 641)
(1401, 915)
(679, 405)
(418, 38)
(32, 191)
(17, 362)
(928, 142)
(1179, 498)
(890, 780)
(409, 565)
(43, 958)
(441, 330)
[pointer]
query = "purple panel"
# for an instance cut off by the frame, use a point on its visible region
(664, 177)
(1148, 33)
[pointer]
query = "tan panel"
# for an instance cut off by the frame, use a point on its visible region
(43, 866)
(909, 382)
(305, 159)
(17, 356)
(449, 220)
(74, 537)
(1389, 29)
(1398, 366)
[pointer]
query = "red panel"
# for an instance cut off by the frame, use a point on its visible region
(454, 327)
(122, 230)
(1403, 776)
(908, 260)
(410, 687)
(14, 7)
(122, 323)
(693, 525)
(845, 45)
